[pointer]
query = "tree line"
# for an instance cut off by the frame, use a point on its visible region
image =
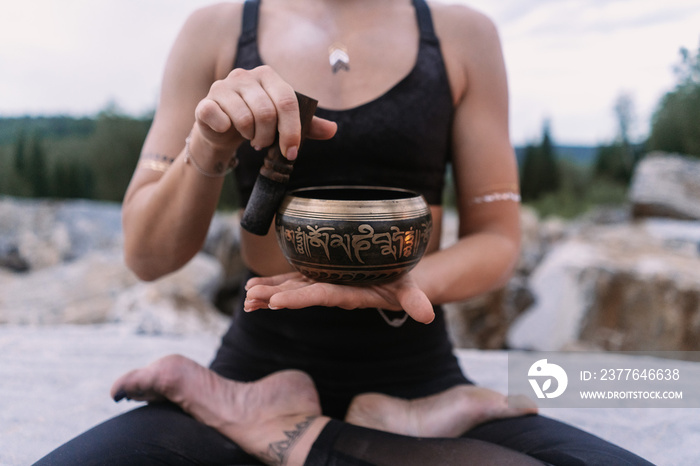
(94, 158)
(555, 185)
(64, 157)
(68, 158)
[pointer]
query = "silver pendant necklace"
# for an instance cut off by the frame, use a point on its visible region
(338, 57)
(396, 322)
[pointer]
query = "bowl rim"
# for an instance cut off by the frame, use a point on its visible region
(411, 194)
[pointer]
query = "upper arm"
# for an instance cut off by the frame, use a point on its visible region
(483, 157)
(202, 53)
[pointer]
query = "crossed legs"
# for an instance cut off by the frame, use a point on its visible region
(278, 418)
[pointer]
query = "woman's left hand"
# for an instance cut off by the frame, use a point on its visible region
(295, 291)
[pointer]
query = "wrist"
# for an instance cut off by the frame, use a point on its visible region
(209, 159)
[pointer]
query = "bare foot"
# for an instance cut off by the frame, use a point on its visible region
(276, 418)
(447, 414)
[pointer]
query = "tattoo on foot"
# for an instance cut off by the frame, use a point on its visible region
(278, 452)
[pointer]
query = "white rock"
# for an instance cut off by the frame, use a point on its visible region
(178, 304)
(666, 185)
(554, 320)
(614, 287)
(79, 292)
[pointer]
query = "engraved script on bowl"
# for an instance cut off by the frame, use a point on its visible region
(356, 235)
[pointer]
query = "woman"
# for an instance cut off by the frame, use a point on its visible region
(396, 104)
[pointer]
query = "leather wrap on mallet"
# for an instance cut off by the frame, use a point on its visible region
(271, 184)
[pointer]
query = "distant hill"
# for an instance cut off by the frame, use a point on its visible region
(581, 155)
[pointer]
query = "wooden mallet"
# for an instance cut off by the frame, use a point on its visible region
(271, 184)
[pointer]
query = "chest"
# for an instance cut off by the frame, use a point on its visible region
(378, 44)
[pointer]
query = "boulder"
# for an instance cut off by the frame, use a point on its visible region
(61, 263)
(537, 237)
(178, 304)
(36, 234)
(666, 185)
(483, 321)
(617, 287)
(98, 288)
(78, 292)
(223, 242)
(11, 259)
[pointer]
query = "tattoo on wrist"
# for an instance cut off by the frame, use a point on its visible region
(278, 452)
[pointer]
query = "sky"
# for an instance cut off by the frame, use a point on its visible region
(567, 60)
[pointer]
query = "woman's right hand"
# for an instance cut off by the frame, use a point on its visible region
(254, 105)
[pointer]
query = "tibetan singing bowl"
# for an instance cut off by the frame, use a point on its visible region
(353, 235)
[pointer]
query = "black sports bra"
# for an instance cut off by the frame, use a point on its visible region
(400, 139)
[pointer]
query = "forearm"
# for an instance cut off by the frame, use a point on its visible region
(166, 221)
(476, 264)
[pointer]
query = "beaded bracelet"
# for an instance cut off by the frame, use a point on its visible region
(233, 163)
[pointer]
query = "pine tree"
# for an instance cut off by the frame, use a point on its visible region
(550, 169)
(20, 150)
(36, 168)
(675, 125)
(616, 161)
(540, 171)
(529, 177)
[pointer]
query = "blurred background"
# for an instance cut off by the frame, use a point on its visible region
(605, 119)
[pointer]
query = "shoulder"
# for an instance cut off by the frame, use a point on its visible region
(469, 40)
(457, 22)
(215, 19)
(211, 34)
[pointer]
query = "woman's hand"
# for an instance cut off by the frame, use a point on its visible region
(255, 105)
(295, 291)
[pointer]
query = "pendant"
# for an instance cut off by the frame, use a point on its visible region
(397, 322)
(338, 58)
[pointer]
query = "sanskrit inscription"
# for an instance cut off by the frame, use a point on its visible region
(394, 242)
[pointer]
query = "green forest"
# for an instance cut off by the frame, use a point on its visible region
(557, 184)
(66, 157)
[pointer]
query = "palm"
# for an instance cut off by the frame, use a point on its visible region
(294, 291)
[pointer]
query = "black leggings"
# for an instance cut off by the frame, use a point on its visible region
(162, 434)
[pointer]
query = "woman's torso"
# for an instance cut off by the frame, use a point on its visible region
(394, 117)
(393, 106)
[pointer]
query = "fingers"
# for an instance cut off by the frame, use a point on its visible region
(416, 304)
(297, 293)
(256, 105)
(285, 113)
(211, 115)
(294, 291)
(322, 129)
(260, 290)
(273, 280)
(313, 294)
(274, 107)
